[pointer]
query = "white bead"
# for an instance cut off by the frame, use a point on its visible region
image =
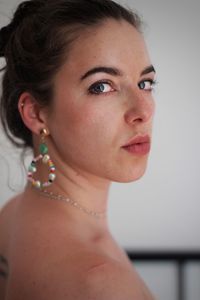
(52, 176)
(37, 184)
(46, 158)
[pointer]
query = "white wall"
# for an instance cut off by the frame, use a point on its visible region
(160, 211)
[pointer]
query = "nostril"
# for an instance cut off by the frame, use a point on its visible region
(132, 118)
(141, 112)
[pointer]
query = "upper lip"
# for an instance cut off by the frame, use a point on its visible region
(138, 140)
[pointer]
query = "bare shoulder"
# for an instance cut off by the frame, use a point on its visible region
(53, 271)
(8, 207)
(7, 212)
(44, 260)
(103, 280)
(114, 282)
(47, 261)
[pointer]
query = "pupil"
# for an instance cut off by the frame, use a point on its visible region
(99, 88)
(142, 85)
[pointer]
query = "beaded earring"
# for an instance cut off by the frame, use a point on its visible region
(43, 150)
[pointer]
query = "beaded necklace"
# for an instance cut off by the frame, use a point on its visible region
(51, 195)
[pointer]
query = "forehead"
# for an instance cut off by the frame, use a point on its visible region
(112, 42)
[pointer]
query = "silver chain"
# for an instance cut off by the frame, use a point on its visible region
(53, 196)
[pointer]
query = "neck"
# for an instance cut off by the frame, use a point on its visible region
(88, 191)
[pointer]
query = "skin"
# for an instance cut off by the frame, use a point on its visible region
(87, 131)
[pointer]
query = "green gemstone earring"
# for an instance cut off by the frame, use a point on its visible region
(43, 150)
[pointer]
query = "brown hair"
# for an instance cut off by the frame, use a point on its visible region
(35, 44)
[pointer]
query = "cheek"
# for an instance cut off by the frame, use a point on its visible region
(93, 126)
(83, 128)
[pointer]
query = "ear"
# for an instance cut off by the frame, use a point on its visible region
(31, 113)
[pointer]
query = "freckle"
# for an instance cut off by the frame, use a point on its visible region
(34, 283)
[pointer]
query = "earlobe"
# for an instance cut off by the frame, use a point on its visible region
(29, 110)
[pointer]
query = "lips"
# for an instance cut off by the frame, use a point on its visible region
(139, 145)
(138, 140)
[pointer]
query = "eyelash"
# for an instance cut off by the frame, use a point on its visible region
(92, 87)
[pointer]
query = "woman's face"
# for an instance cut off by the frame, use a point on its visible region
(95, 113)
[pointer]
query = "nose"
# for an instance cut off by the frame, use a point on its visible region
(140, 110)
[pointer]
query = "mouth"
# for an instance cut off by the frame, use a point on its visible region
(139, 145)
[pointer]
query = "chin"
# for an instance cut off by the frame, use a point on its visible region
(131, 177)
(131, 174)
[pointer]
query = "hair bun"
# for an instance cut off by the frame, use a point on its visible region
(25, 9)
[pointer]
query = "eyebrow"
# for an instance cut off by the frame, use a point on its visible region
(114, 71)
(103, 69)
(148, 70)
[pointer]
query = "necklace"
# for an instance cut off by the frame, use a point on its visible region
(53, 196)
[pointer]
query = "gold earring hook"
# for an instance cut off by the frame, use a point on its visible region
(44, 132)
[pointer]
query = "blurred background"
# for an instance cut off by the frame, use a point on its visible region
(155, 219)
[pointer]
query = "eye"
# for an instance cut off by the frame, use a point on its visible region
(147, 84)
(100, 88)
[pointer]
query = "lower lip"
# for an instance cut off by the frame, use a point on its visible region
(138, 149)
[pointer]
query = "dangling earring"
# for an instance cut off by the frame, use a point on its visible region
(43, 149)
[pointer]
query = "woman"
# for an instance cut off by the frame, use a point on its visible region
(77, 89)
